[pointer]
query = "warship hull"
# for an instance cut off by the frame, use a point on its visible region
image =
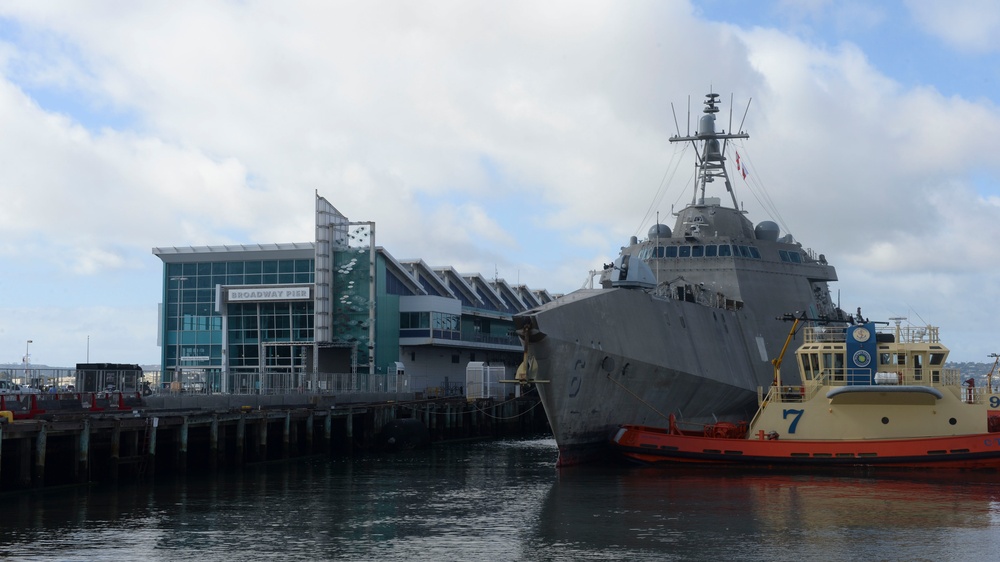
(608, 357)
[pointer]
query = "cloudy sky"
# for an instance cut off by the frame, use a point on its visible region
(522, 139)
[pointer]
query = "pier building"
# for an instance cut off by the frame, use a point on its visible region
(336, 313)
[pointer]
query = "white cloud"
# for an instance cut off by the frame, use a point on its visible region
(970, 25)
(523, 137)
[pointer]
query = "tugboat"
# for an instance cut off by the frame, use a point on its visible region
(870, 396)
(684, 322)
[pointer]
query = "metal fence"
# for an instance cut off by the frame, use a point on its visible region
(237, 382)
(43, 379)
(283, 382)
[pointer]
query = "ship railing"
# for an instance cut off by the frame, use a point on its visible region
(933, 376)
(824, 334)
(786, 393)
(952, 377)
(892, 376)
(900, 334)
(842, 376)
(915, 334)
(974, 395)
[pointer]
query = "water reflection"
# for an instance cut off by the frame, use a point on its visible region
(687, 514)
(506, 501)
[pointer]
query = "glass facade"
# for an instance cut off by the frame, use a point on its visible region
(351, 295)
(193, 330)
(252, 325)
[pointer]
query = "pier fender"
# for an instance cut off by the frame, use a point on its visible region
(404, 434)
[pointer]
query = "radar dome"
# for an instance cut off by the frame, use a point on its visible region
(659, 231)
(767, 231)
(706, 126)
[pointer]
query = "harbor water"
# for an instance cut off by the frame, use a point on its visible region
(505, 500)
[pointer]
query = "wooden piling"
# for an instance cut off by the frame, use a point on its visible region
(112, 446)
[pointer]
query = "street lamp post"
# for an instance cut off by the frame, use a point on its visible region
(27, 361)
(177, 334)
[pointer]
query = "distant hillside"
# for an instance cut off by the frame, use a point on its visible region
(975, 370)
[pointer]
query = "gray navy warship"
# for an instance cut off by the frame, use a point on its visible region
(685, 322)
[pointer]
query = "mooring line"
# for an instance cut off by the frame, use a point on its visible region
(637, 397)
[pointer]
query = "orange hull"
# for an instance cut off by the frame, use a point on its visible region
(649, 445)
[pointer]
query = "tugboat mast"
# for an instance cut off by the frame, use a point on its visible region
(711, 161)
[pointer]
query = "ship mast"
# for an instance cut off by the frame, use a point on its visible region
(711, 161)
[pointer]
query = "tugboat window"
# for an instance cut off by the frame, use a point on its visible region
(805, 367)
(828, 364)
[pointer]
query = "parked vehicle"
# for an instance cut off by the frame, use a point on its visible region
(8, 387)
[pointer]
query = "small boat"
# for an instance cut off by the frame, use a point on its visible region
(871, 396)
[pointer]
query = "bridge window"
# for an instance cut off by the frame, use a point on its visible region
(725, 250)
(697, 251)
(685, 251)
(671, 251)
(711, 251)
(810, 365)
(833, 363)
